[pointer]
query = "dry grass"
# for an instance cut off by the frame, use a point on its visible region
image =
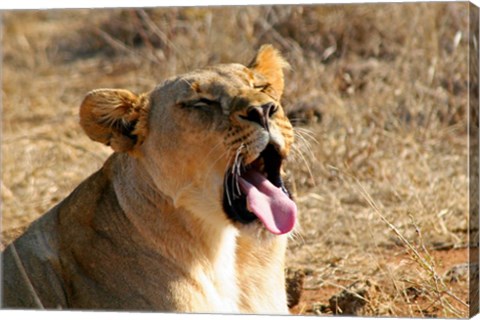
(386, 183)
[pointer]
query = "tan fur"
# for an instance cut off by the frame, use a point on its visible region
(147, 231)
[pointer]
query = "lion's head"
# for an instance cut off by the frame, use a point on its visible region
(213, 140)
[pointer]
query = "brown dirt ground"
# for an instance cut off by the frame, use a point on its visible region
(315, 300)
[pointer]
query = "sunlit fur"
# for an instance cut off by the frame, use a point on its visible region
(148, 231)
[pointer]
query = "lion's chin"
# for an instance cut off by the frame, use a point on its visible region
(254, 230)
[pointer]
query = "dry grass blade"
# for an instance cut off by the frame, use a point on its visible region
(162, 36)
(118, 45)
(56, 141)
(26, 279)
(422, 261)
(145, 37)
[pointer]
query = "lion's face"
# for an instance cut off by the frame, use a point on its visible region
(213, 140)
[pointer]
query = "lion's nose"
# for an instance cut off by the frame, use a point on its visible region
(261, 114)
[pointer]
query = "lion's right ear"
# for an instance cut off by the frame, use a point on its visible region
(115, 117)
(270, 63)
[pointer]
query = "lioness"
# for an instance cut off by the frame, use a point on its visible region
(189, 214)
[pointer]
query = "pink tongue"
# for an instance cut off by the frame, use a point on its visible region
(269, 203)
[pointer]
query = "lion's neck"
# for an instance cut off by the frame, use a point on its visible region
(154, 214)
(205, 252)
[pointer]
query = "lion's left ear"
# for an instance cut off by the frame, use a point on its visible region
(270, 63)
(115, 117)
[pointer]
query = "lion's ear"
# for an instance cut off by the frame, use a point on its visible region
(270, 63)
(115, 117)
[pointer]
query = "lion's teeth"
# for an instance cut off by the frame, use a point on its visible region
(262, 168)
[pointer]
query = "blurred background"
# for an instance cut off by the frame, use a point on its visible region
(378, 94)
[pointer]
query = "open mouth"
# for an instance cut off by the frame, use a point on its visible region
(256, 192)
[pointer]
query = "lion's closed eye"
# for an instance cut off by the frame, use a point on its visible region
(266, 88)
(261, 86)
(201, 104)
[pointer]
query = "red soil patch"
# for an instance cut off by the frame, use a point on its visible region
(450, 265)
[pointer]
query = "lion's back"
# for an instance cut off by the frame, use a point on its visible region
(34, 266)
(31, 268)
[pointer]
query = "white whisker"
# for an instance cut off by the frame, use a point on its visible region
(223, 155)
(308, 133)
(305, 143)
(225, 180)
(225, 184)
(237, 155)
(236, 170)
(305, 161)
(238, 174)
